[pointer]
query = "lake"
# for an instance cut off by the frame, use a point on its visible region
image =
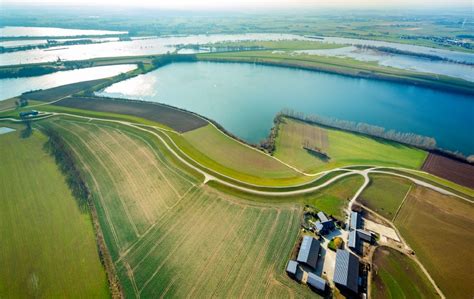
(16, 86)
(244, 98)
(140, 46)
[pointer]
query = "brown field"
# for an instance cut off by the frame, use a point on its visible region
(56, 93)
(450, 169)
(176, 119)
(439, 229)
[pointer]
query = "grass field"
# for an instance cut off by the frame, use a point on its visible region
(385, 194)
(213, 149)
(439, 229)
(168, 235)
(397, 276)
(48, 247)
(332, 199)
(343, 148)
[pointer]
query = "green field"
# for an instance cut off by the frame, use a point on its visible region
(215, 150)
(167, 234)
(439, 229)
(48, 247)
(397, 276)
(385, 194)
(343, 148)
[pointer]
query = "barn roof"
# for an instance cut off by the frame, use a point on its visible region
(316, 281)
(346, 272)
(355, 220)
(292, 267)
(309, 251)
(322, 217)
(353, 240)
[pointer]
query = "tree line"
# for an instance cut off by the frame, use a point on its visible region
(420, 141)
(64, 157)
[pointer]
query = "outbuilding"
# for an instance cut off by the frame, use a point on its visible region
(309, 251)
(316, 282)
(346, 272)
(294, 270)
(355, 221)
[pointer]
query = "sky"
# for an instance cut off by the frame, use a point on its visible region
(228, 4)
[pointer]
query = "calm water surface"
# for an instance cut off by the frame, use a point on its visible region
(244, 98)
(16, 86)
(144, 46)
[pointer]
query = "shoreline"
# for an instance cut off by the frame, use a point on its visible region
(347, 71)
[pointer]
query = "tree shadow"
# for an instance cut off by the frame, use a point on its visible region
(27, 131)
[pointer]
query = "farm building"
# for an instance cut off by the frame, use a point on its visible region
(294, 270)
(309, 251)
(28, 113)
(346, 272)
(324, 225)
(355, 220)
(356, 236)
(315, 282)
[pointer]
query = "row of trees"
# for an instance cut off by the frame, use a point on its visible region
(420, 141)
(64, 157)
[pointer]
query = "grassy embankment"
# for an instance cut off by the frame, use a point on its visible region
(48, 246)
(385, 194)
(231, 247)
(343, 148)
(439, 229)
(395, 275)
(344, 66)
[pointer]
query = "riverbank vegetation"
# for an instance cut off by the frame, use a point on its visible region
(55, 255)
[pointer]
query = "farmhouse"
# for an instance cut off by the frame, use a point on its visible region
(294, 270)
(355, 221)
(324, 225)
(309, 251)
(346, 272)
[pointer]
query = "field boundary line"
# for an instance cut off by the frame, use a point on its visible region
(128, 175)
(131, 247)
(160, 158)
(401, 204)
(109, 175)
(100, 195)
(155, 165)
(231, 229)
(184, 238)
(175, 224)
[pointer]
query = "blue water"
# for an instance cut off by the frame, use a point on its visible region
(244, 98)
